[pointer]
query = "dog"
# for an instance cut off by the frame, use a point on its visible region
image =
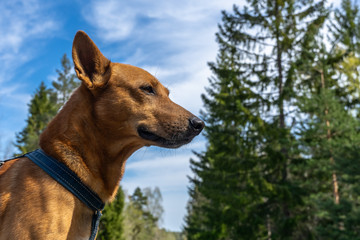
(117, 109)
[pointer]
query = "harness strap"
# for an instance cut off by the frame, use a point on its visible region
(68, 179)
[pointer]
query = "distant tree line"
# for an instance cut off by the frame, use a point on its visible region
(282, 112)
(136, 218)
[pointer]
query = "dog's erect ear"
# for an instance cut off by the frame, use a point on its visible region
(90, 65)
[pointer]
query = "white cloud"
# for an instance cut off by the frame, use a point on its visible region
(173, 40)
(116, 20)
(21, 22)
(11, 99)
(113, 19)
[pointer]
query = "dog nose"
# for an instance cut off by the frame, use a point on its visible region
(197, 124)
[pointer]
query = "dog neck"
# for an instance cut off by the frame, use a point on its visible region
(75, 138)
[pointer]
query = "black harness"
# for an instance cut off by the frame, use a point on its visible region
(68, 179)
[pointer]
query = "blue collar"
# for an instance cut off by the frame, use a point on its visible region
(63, 175)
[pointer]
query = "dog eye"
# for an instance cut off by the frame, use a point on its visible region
(148, 90)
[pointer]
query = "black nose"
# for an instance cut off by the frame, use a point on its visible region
(197, 124)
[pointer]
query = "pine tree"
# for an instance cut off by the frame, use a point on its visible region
(329, 137)
(330, 130)
(111, 224)
(45, 105)
(66, 81)
(142, 215)
(345, 34)
(154, 204)
(247, 184)
(42, 109)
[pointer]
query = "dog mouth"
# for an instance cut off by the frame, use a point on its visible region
(161, 141)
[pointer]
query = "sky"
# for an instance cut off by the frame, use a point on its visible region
(174, 40)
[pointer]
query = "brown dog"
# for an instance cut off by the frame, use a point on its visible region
(118, 109)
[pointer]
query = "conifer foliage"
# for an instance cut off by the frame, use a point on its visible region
(44, 106)
(66, 82)
(112, 222)
(142, 214)
(281, 126)
(42, 109)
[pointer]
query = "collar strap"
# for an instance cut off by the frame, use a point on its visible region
(68, 179)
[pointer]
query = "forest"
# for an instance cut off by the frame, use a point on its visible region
(282, 159)
(282, 114)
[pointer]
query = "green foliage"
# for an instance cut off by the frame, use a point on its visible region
(44, 106)
(329, 135)
(345, 30)
(42, 109)
(330, 140)
(246, 184)
(66, 81)
(111, 224)
(142, 215)
(281, 126)
(154, 204)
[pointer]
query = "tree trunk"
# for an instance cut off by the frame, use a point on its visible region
(268, 226)
(328, 135)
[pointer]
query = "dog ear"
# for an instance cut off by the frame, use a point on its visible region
(90, 65)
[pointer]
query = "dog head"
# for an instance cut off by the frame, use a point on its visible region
(130, 102)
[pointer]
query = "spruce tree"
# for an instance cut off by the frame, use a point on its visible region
(329, 131)
(154, 204)
(66, 82)
(345, 40)
(329, 135)
(42, 109)
(44, 105)
(111, 224)
(142, 215)
(247, 184)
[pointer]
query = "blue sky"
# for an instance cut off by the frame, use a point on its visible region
(171, 39)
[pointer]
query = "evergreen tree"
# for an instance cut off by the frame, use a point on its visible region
(42, 109)
(142, 215)
(111, 224)
(345, 27)
(345, 36)
(44, 106)
(330, 140)
(246, 184)
(66, 81)
(329, 132)
(154, 206)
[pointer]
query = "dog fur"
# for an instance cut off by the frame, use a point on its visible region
(117, 109)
